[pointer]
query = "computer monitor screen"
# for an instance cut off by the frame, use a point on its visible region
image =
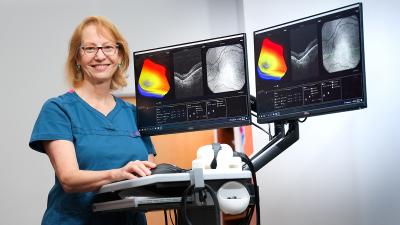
(310, 66)
(192, 86)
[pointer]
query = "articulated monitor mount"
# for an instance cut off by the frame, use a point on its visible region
(279, 143)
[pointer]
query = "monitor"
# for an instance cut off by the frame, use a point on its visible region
(192, 86)
(311, 66)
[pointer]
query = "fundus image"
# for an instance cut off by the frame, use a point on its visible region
(225, 68)
(188, 73)
(340, 44)
(153, 82)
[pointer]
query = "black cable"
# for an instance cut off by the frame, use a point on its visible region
(216, 203)
(269, 131)
(170, 217)
(259, 127)
(302, 121)
(250, 215)
(176, 216)
(213, 196)
(165, 217)
(247, 161)
(246, 218)
(184, 196)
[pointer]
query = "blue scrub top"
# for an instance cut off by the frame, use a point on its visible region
(101, 143)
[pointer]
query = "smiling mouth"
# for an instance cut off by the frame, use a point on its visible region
(100, 67)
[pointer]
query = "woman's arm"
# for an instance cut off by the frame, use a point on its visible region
(63, 158)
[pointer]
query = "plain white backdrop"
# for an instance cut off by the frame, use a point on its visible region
(343, 170)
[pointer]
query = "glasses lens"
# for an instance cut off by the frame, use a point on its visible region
(89, 49)
(107, 50)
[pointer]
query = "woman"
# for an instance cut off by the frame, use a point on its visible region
(89, 135)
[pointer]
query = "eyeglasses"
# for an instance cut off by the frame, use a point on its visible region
(108, 50)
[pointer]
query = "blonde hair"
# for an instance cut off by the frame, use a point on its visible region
(73, 71)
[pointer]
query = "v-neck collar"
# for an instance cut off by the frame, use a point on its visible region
(109, 117)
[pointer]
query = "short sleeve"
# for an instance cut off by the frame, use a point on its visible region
(53, 123)
(149, 145)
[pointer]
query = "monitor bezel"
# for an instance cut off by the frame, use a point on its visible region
(302, 113)
(209, 124)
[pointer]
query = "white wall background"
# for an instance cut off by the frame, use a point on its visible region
(34, 39)
(345, 169)
(342, 171)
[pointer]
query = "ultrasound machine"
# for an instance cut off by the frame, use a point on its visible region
(307, 67)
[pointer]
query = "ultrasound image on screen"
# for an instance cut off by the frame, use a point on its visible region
(188, 73)
(225, 68)
(304, 52)
(340, 44)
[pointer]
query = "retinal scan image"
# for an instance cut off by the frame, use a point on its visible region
(304, 52)
(188, 73)
(225, 68)
(340, 44)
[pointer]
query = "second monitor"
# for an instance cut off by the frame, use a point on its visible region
(192, 86)
(311, 66)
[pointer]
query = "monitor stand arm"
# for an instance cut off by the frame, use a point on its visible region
(280, 142)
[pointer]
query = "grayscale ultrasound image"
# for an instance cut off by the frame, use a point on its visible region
(340, 44)
(304, 52)
(188, 75)
(225, 68)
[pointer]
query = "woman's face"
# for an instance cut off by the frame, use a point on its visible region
(98, 55)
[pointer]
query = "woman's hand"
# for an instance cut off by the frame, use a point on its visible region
(133, 169)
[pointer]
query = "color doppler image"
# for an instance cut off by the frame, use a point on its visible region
(271, 63)
(153, 82)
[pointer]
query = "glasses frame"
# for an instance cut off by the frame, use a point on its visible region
(117, 46)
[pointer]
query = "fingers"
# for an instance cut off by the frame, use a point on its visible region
(143, 170)
(138, 168)
(149, 164)
(129, 176)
